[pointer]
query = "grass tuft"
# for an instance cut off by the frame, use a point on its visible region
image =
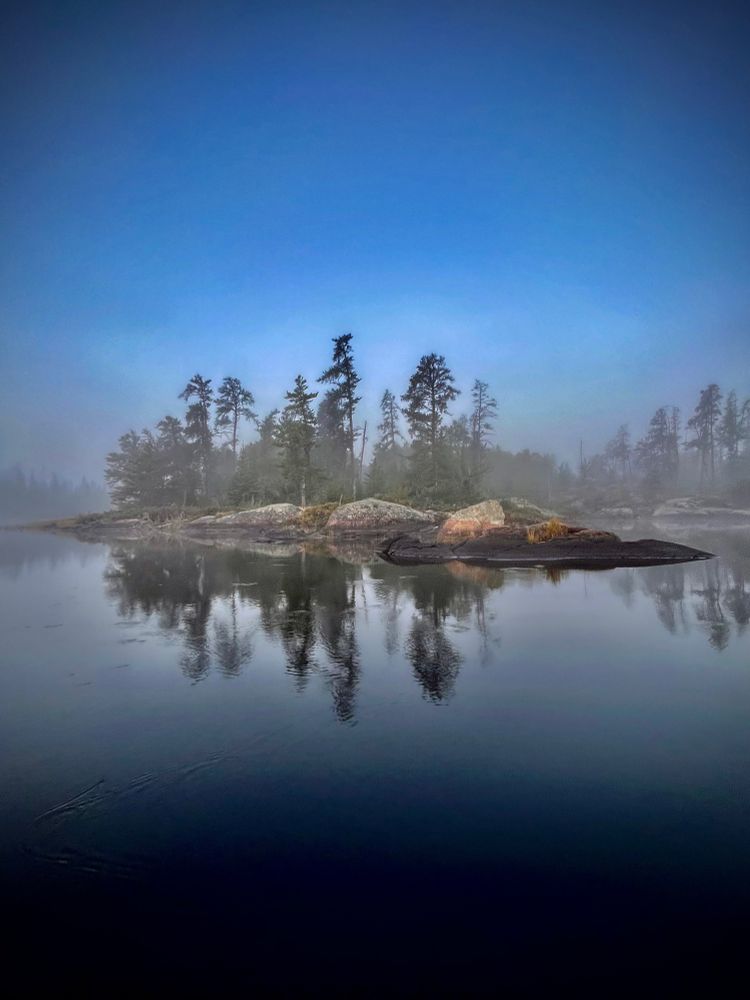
(547, 530)
(315, 517)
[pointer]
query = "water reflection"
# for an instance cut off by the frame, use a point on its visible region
(21, 551)
(311, 603)
(308, 603)
(712, 595)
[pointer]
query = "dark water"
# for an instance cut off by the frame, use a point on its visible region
(316, 773)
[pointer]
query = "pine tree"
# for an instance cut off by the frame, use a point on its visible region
(390, 432)
(343, 396)
(385, 475)
(730, 429)
(135, 473)
(483, 416)
(704, 423)
(427, 398)
(673, 451)
(295, 436)
(656, 453)
(180, 477)
(257, 478)
(618, 451)
(198, 422)
(233, 402)
(458, 475)
(332, 446)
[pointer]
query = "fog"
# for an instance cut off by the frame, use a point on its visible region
(560, 212)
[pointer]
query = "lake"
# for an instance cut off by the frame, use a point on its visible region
(311, 771)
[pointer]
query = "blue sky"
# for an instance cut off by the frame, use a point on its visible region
(554, 195)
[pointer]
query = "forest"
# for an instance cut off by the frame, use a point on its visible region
(26, 496)
(313, 449)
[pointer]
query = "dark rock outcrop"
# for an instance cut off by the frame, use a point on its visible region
(511, 548)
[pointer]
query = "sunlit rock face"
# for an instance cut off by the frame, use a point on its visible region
(471, 522)
(275, 515)
(376, 515)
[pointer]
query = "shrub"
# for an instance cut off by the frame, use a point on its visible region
(544, 532)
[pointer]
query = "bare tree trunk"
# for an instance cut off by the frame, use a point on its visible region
(362, 452)
(351, 450)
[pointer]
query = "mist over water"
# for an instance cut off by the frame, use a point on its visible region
(216, 738)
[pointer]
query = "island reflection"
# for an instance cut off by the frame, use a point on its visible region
(308, 601)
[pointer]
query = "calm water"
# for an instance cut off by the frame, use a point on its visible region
(316, 772)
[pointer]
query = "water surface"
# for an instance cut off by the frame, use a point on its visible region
(313, 771)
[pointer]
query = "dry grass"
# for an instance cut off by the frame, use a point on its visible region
(547, 530)
(316, 517)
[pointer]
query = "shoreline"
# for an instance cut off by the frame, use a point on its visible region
(404, 544)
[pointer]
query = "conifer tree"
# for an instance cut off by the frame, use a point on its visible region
(198, 422)
(704, 424)
(390, 432)
(343, 398)
(386, 469)
(482, 423)
(233, 402)
(618, 450)
(295, 436)
(730, 430)
(427, 399)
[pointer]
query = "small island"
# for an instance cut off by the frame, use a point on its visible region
(508, 532)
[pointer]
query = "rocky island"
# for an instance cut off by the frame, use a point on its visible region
(508, 532)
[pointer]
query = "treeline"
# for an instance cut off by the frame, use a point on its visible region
(313, 448)
(27, 497)
(711, 450)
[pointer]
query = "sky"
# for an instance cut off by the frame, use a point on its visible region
(554, 195)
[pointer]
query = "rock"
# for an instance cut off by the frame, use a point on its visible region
(594, 535)
(470, 522)
(520, 511)
(618, 513)
(582, 549)
(691, 509)
(679, 507)
(376, 515)
(275, 515)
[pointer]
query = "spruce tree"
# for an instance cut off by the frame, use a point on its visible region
(198, 423)
(295, 436)
(730, 430)
(386, 469)
(482, 423)
(427, 399)
(704, 424)
(342, 375)
(233, 403)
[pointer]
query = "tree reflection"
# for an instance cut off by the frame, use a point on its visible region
(232, 645)
(665, 585)
(708, 607)
(220, 602)
(442, 597)
(434, 659)
(305, 603)
(712, 595)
